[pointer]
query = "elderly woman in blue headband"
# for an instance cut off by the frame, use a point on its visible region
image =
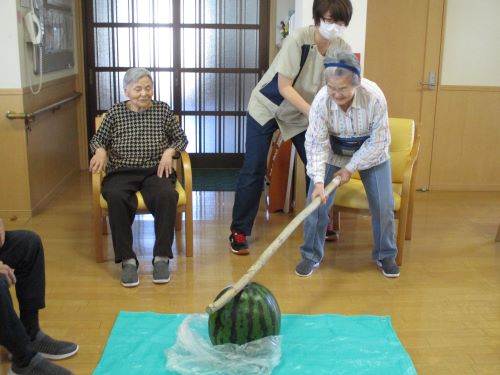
(349, 131)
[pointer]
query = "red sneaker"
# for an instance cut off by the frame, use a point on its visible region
(238, 243)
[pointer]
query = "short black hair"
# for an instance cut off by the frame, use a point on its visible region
(340, 10)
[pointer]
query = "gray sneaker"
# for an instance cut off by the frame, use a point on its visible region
(130, 277)
(52, 349)
(39, 366)
(305, 267)
(388, 267)
(161, 273)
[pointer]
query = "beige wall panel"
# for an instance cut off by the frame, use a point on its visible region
(51, 92)
(52, 152)
(14, 186)
(52, 143)
(35, 163)
(466, 150)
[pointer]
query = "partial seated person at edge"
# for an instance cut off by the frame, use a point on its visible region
(282, 100)
(22, 265)
(140, 137)
(349, 131)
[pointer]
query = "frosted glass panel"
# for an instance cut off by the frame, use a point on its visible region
(164, 49)
(133, 11)
(124, 53)
(216, 91)
(215, 134)
(103, 51)
(164, 87)
(208, 62)
(229, 48)
(109, 89)
(250, 49)
(158, 11)
(220, 11)
(102, 11)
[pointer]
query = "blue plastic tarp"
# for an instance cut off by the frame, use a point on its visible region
(311, 344)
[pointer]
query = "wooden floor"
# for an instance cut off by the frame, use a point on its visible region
(445, 307)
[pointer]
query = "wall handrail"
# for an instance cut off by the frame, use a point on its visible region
(31, 116)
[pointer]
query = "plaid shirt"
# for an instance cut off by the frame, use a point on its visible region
(138, 139)
(367, 116)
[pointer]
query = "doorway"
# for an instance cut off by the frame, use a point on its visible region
(403, 47)
(205, 57)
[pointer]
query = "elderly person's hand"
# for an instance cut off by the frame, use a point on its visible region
(319, 191)
(2, 233)
(166, 165)
(8, 272)
(344, 174)
(99, 161)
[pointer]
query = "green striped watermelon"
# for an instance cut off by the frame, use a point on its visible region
(251, 315)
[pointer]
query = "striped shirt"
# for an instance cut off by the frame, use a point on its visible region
(138, 139)
(367, 116)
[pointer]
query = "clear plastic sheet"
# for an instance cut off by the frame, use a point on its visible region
(194, 354)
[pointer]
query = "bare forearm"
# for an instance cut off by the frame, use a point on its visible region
(291, 95)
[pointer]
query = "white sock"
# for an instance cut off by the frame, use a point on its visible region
(161, 259)
(129, 261)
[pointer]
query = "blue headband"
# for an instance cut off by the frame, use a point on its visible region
(345, 66)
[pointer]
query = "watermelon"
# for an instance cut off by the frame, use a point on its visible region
(251, 315)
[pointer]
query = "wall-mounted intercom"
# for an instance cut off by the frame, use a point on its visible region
(34, 36)
(33, 27)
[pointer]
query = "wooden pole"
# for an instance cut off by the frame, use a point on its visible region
(270, 250)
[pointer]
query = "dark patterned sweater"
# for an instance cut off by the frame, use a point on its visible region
(138, 139)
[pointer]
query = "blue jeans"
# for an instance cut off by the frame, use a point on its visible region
(251, 177)
(377, 182)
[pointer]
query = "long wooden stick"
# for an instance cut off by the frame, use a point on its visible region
(270, 250)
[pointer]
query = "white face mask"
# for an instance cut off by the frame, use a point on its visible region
(330, 30)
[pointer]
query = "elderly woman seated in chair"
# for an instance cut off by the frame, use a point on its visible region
(136, 144)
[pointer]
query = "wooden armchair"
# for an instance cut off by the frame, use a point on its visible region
(404, 149)
(185, 204)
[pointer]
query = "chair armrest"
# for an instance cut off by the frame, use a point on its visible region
(96, 187)
(184, 173)
(409, 175)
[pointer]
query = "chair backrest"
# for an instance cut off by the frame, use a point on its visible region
(402, 139)
(98, 121)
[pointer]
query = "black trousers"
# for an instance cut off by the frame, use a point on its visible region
(119, 188)
(22, 251)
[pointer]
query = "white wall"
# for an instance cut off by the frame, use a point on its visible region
(283, 7)
(355, 34)
(471, 50)
(10, 61)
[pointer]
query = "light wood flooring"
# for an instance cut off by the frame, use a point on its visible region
(445, 307)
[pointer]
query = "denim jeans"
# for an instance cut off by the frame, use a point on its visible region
(251, 177)
(377, 182)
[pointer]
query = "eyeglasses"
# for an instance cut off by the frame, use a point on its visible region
(344, 91)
